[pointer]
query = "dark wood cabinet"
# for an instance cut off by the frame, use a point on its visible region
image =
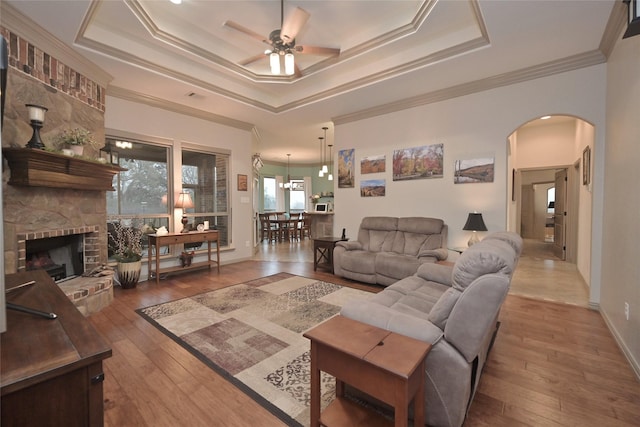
(51, 369)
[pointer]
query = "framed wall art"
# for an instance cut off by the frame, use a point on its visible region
(346, 168)
(473, 170)
(373, 188)
(418, 162)
(242, 182)
(373, 164)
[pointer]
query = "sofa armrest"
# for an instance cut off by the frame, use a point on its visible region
(440, 254)
(350, 245)
(433, 272)
(392, 320)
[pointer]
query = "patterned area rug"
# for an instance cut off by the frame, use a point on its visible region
(252, 334)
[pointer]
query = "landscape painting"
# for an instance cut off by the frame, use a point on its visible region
(346, 168)
(373, 164)
(372, 188)
(473, 171)
(418, 162)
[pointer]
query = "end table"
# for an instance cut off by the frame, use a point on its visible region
(323, 252)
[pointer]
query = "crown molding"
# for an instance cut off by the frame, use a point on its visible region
(23, 26)
(547, 69)
(129, 95)
(616, 24)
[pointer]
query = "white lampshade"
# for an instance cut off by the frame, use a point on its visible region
(36, 112)
(330, 177)
(289, 64)
(320, 173)
(325, 169)
(274, 62)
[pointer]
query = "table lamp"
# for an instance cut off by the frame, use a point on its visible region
(475, 224)
(184, 202)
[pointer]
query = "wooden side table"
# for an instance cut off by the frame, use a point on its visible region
(156, 242)
(383, 364)
(323, 252)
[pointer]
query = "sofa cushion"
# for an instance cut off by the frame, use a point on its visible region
(416, 234)
(359, 261)
(412, 296)
(376, 233)
(397, 266)
(493, 256)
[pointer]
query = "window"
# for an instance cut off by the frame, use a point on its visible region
(269, 194)
(297, 196)
(140, 196)
(205, 176)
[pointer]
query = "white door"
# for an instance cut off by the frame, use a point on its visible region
(560, 215)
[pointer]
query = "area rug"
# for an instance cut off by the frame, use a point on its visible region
(251, 334)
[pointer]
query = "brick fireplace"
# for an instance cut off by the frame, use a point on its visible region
(90, 244)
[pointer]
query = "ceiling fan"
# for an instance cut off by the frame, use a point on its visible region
(282, 42)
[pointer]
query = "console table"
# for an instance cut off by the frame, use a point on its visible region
(50, 369)
(156, 242)
(383, 364)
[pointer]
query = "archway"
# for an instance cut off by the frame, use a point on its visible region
(541, 152)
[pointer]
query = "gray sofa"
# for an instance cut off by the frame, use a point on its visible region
(455, 308)
(389, 249)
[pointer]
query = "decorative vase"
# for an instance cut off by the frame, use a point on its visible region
(77, 149)
(129, 274)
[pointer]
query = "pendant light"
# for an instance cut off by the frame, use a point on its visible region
(321, 172)
(287, 185)
(325, 169)
(330, 163)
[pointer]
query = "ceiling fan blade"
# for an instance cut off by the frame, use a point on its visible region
(252, 59)
(316, 50)
(293, 24)
(298, 71)
(247, 31)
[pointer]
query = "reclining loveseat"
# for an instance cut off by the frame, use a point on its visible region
(389, 249)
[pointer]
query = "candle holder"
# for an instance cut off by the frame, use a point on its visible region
(36, 117)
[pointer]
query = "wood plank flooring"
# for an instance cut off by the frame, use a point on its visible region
(552, 364)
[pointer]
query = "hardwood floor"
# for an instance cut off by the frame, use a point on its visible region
(552, 364)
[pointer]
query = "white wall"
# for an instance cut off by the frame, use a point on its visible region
(472, 126)
(620, 266)
(144, 120)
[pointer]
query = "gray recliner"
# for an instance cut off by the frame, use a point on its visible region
(455, 308)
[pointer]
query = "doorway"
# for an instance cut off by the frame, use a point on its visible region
(545, 159)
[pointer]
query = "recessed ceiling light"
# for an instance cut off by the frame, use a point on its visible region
(176, 1)
(545, 117)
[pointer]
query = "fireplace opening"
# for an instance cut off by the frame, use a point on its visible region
(61, 256)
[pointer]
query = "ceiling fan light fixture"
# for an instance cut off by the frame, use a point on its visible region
(289, 64)
(274, 62)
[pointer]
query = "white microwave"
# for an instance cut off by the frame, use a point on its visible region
(322, 207)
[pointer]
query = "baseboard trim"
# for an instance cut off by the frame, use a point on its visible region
(625, 350)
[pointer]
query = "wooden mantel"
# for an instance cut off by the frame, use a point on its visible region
(39, 168)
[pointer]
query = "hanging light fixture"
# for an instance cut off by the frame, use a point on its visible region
(330, 178)
(325, 169)
(321, 172)
(287, 185)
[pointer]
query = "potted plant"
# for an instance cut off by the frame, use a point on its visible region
(127, 251)
(75, 139)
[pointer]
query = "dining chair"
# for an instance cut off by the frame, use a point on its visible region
(305, 226)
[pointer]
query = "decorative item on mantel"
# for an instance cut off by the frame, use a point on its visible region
(128, 253)
(75, 139)
(36, 117)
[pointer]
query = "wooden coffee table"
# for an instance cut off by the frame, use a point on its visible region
(383, 364)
